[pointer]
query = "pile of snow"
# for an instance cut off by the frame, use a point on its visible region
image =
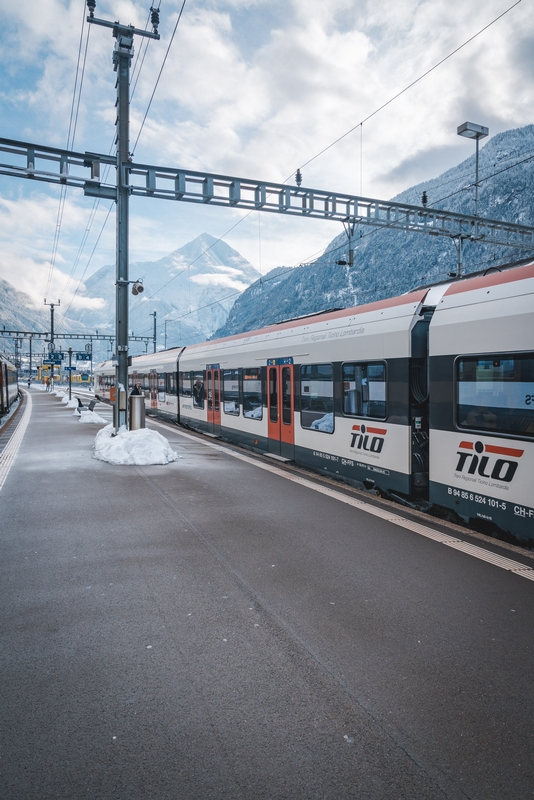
(90, 416)
(140, 447)
(70, 403)
(60, 394)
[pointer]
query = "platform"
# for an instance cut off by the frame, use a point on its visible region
(227, 627)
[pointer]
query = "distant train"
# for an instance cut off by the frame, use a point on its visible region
(427, 397)
(9, 386)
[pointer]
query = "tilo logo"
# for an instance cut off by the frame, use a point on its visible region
(365, 438)
(483, 459)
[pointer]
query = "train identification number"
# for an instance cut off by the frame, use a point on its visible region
(491, 502)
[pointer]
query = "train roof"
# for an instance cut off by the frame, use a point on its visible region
(493, 278)
(410, 299)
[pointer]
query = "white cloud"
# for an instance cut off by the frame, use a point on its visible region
(212, 279)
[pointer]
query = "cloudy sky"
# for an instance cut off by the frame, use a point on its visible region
(251, 88)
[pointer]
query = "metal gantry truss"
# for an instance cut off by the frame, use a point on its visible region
(85, 336)
(84, 171)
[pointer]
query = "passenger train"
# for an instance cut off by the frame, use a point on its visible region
(428, 398)
(9, 387)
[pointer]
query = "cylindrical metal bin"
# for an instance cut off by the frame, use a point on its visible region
(137, 412)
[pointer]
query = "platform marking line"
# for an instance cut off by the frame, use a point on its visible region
(11, 449)
(417, 527)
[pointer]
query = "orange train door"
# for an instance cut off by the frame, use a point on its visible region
(213, 380)
(281, 408)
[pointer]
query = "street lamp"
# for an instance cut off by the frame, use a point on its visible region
(476, 132)
(154, 314)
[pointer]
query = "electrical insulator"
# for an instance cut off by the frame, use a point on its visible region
(424, 199)
(154, 18)
(91, 5)
(298, 177)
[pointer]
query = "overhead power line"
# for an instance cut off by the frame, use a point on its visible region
(413, 83)
(73, 122)
(159, 76)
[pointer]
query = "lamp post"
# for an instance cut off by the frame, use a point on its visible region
(476, 132)
(70, 373)
(154, 314)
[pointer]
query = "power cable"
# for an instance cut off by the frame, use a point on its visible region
(413, 83)
(159, 75)
(90, 257)
(70, 143)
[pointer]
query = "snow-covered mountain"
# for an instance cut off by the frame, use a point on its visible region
(191, 291)
(388, 262)
(17, 313)
(193, 288)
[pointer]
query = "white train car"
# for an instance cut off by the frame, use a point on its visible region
(481, 350)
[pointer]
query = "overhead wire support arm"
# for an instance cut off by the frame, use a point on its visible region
(83, 336)
(55, 165)
(205, 188)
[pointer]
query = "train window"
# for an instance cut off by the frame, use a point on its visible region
(170, 378)
(216, 390)
(252, 402)
(231, 391)
(317, 397)
(287, 417)
(161, 387)
(364, 390)
(273, 394)
(185, 384)
(199, 393)
(496, 393)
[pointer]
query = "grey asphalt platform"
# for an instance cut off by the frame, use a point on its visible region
(207, 629)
